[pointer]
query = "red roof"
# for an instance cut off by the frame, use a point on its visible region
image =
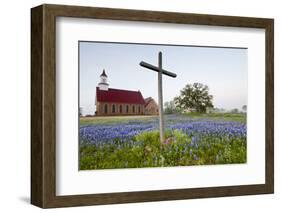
(119, 96)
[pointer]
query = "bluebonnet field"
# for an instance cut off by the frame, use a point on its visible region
(124, 142)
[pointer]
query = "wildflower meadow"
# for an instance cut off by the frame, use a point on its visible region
(133, 142)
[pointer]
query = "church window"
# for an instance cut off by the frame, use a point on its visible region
(133, 109)
(127, 109)
(139, 109)
(113, 108)
(105, 108)
(120, 109)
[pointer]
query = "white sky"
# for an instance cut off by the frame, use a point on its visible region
(224, 70)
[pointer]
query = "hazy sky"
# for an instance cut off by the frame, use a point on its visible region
(224, 70)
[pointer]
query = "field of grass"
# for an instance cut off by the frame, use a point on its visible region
(239, 117)
(190, 139)
(99, 120)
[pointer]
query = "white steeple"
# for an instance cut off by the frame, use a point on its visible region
(103, 85)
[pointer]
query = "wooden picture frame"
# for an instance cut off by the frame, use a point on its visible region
(43, 105)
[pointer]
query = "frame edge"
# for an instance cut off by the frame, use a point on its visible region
(269, 121)
(37, 189)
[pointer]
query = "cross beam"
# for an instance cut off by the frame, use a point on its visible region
(160, 90)
(154, 68)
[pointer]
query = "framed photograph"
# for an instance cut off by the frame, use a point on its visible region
(136, 106)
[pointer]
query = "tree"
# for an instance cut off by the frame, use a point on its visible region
(195, 97)
(244, 108)
(234, 110)
(170, 107)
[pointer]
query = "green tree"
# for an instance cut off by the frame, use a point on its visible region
(196, 97)
(235, 110)
(170, 107)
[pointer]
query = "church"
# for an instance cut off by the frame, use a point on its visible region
(111, 101)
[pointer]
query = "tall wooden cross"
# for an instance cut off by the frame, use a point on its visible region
(160, 71)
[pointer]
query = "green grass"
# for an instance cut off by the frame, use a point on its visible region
(238, 117)
(114, 119)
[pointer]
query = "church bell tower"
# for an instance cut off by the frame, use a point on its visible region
(103, 85)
